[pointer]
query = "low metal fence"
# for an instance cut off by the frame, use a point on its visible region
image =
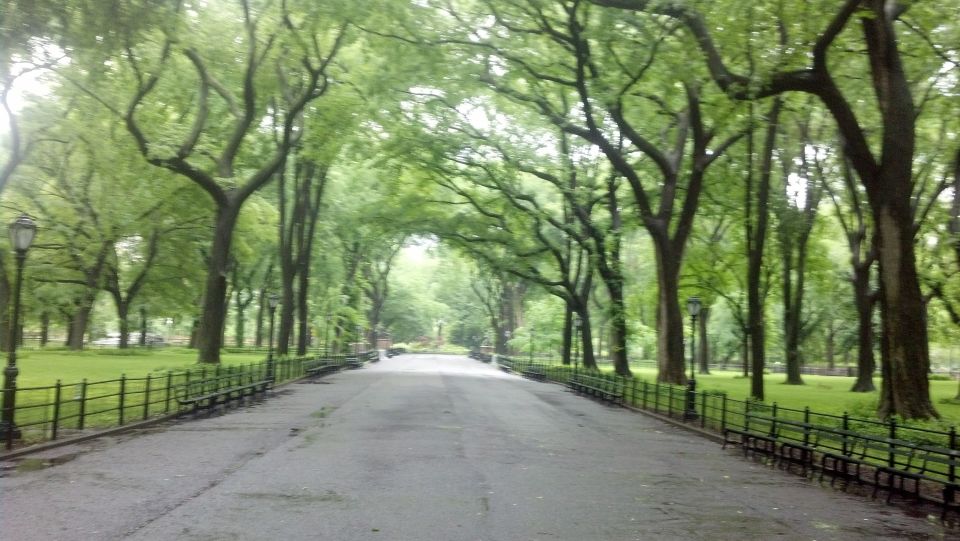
(716, 411)
(65, 409)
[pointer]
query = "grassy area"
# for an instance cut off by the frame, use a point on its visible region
(826, 394)
(42, 367)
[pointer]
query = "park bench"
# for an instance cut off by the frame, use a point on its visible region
(393, 352)
(317, 368)
(208, 393)
(535, 372)
(842, 455)
(758, 435)
(596, 387)
(799, 442)
(910, 466)
(897, 466)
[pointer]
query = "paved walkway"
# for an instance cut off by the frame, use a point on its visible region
(428, 448)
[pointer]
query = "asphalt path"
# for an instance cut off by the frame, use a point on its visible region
(427, 448)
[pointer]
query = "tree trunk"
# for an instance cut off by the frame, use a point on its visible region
(210, 335)
(756, 242)
(589, 360)
(830, 352)
(904, 350)
(745, 352)
(703, 352)
(670, 349)
(567, 338)
(123, 314)
(864, 304)
(44, 328)
(303, 333)
(240, 322)
(78, 326)
(143, 326)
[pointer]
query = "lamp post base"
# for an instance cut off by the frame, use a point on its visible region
(690, 411)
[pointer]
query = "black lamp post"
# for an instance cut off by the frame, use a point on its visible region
(693, 308)
(272, 301)
(439, 333)
(22, 231)
(577, 324)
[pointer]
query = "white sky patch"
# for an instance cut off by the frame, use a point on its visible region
(797, 187)
(32, 83)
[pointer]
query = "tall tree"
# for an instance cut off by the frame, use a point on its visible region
(884, 168)
(299, 45)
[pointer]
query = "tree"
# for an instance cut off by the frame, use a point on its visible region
(213, 145)
(884, 168)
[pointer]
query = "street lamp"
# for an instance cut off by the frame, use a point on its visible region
(22, 231)
(693, 308)
(272, 301)
(577, 324)
(439, 333)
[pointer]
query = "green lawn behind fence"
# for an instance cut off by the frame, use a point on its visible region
(41, 367)
(825, 394)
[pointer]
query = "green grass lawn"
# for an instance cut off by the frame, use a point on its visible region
(40, 368)
(825, 394)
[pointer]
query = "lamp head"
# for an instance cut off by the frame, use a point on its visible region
(22, 231)
(273, 300)
(693, 306)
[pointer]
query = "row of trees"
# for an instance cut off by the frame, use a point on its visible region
(189, 158)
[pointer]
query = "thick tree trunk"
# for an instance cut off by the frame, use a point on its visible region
(303, 333)
(210, 335)
(904, 350)
(566, 353)
(703, 343)
(123, 314)
(44, 328)
(864, 304)
(239, 329)
(261, 313)
(745, 352)
(78, 326)
(143, 326)
(670, 354)
(589, 360)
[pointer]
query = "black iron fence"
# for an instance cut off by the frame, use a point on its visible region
(65, 409)
(717, 412)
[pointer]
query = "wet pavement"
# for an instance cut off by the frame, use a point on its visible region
(427, 448)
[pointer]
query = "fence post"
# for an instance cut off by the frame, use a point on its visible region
(892, 459)
(146, 399)
(846, 426)
(703, 409)
(669, 400)
(723, 413)
(643, 394)
(953, 447)
(83, 404)
(56, 410)
(806, 424)
(656, 398)
(123, 396)
(166, 407)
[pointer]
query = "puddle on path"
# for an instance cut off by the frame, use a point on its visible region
(35, 464)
